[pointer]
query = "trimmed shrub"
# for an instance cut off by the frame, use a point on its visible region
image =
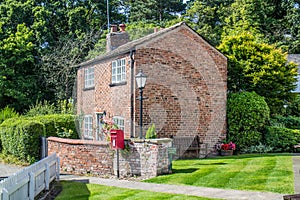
(21, 138)
(288, 122)
(59, 125)
(282, 139)
(247, 114)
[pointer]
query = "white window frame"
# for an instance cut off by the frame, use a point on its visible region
(89, 77)
(118, 71)
(88, 126)
(120, 122)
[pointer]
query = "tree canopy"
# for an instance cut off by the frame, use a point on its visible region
(41, 41)
(256, 66)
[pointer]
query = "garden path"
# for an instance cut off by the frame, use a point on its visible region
(296, 167)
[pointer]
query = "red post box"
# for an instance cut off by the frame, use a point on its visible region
(117, 139)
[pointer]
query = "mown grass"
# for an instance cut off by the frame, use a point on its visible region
(256, 172)
(83, 191)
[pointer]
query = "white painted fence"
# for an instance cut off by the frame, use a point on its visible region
(30, 181)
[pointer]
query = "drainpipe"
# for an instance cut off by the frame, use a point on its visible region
(132, 93)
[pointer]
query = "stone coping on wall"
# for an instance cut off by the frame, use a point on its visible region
(77, 141)
(93, 142)
(153, 141)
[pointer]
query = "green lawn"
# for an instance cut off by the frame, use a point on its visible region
(269, 172)
(82, 191)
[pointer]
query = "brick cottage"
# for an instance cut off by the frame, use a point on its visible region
(185, 89)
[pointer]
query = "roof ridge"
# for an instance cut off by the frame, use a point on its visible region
(132, 44)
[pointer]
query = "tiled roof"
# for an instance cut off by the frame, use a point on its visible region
(131, 45)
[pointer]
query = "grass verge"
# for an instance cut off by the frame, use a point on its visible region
(84, 191)
(256, 172)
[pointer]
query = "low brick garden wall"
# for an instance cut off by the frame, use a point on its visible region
(140, 158)
(82, 156)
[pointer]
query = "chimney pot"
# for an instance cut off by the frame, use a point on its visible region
(113, 28)
(122, 27)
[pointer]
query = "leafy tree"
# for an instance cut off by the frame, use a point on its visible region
(257, 66)
(276, 20)
(59, 64)
(17, 79)
(153, 10)
(293, 107)
(292, 33)
(208, 18)
(140, 29)
(33, 30)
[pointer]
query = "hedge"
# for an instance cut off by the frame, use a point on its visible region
(21, 138)
(282, 139)
(59, 125)
(288, 122)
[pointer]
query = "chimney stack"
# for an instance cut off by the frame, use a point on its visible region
(115, 39)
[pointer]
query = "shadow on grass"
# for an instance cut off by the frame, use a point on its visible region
(184, 171)
(191, 170)
(216, 163)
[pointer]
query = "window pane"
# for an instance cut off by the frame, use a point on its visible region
(118, 70)
(119, 78)
(89, 77)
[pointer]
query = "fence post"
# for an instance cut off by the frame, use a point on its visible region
(44, 147)
(57, 168)
(31, 185)
(5, 194)
(47, 177)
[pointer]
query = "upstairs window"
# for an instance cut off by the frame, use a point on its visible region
(118, 71)
(119, 121)
(89, 77)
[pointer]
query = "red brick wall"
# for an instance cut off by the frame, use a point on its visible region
(186, 86)
(82, 156)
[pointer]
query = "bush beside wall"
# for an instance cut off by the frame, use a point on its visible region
(21, 138)
(59, 125)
